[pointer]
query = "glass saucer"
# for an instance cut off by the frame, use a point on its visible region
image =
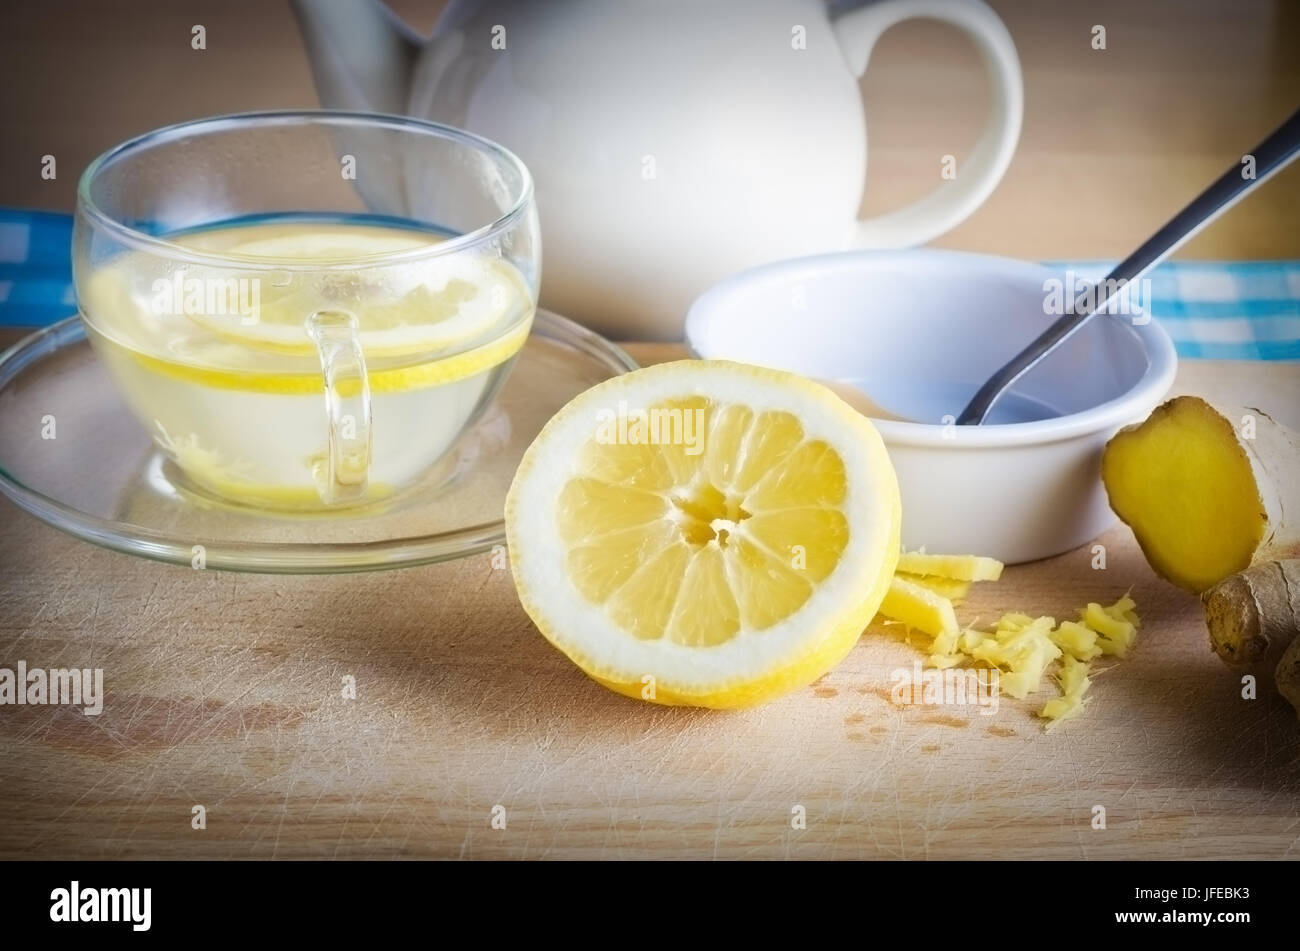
(101, 479)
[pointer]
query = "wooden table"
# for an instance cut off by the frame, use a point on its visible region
(225, 691)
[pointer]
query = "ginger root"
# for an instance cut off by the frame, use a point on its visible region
(1214, 500)
(1254, 620)
(1207, 493)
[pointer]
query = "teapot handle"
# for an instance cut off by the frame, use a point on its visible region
(953, 201)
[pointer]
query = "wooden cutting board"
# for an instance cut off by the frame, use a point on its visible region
(225, 691)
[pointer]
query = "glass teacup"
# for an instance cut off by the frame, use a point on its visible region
(307, 310)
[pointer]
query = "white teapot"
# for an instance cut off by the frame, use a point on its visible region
(671, 142)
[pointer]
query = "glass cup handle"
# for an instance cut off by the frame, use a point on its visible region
(347, 407)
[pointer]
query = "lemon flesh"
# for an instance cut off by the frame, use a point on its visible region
(704, 532)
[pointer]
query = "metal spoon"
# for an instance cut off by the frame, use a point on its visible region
(1271, 156)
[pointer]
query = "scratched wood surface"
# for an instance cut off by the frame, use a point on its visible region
(225, 691)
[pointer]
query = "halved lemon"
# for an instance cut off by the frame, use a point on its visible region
(704, 532)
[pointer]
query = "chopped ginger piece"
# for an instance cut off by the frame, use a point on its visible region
(954, 567)
(945, 643)
(919, 608)
(1115, 648)
(1018, 683)
(1095, 616)
(1125, 609)
(1115, 635)
(1074, 677)
(971, 638)
(1076, 640)
(1074, 682)
(1021, 651)
(1013, 622)
(944, 661)
(954, 591)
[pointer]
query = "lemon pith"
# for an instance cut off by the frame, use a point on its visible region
(716, 573)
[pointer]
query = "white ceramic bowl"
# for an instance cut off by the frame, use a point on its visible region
(918, 331)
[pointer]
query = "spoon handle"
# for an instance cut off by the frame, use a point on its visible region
(1271, 156)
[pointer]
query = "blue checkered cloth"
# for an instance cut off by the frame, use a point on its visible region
(35, 268)
(1222, 310)
(1214, 310)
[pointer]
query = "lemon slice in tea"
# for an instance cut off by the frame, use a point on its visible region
(426, 306)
